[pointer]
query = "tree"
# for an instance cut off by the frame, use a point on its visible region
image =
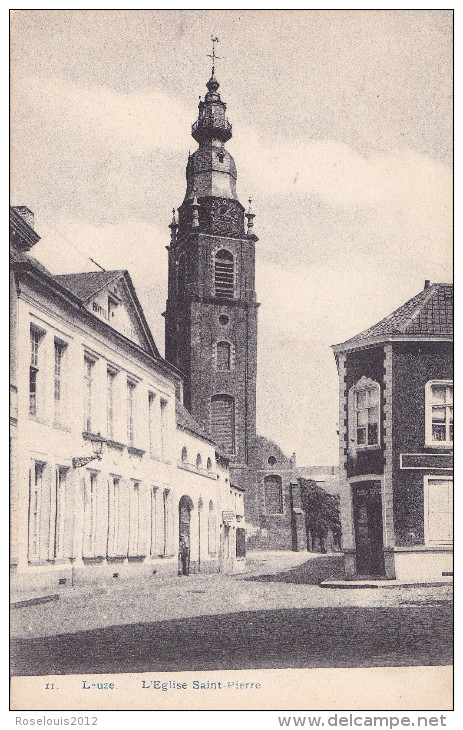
(321, 515)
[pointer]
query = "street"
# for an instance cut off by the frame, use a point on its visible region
(273, 616)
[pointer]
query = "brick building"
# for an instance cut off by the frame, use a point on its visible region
(211, 329)
(396, 441)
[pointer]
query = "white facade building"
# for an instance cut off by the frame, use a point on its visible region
(86, 376)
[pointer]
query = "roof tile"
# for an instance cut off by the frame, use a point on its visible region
(429, 313)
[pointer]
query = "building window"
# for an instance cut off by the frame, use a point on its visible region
(60, 348)
(165, 521)
(90, 515)
(184, 455)
(223, 421)
(439, 413)
(199, 461)
(223, 356)
(271, 460)
(163, 428)
(224, 274)
(34, 369)
(114, 507)
(438, 510)
(61, 478)
(209, 464)
(273, 494)
(130, 412)
(212, 530)
(152, 421)
(35, 499)
(224, 319)
(134, 520)
(88, 392)
(110, 378)
(366, 413)
(153, 543)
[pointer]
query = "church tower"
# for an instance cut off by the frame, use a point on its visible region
(211, 312)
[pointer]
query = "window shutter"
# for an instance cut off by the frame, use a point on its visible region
(123, 542)
(224, 274)
(145, 521)
(101, 516)
(29, 547)
(223, 421)
(45, 516)
(69, 517)
(52, 512)
(86, 552)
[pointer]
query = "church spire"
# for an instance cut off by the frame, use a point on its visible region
(212, 124)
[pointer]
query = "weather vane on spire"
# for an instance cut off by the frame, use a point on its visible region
(212, 55)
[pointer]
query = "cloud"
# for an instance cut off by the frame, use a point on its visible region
(337, 226)
(131, 123)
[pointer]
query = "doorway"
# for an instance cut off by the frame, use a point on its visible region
(184, 509)
(368, 527)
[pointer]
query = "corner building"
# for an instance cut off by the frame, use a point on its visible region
(211, 320)
(396, 442)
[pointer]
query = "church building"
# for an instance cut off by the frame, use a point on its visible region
(211, 329)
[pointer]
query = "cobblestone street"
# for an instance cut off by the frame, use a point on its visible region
(274, 615)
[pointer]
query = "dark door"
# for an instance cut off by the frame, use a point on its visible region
(368, 526)
(185, 507)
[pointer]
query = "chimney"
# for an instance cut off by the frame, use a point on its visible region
(22, 237)
(26, 214)
(427, 283)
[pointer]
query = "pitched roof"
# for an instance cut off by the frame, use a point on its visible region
(87, 283)
(428, 314)
(185, 420)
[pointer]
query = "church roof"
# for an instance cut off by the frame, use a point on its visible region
(87, 283)
(428, 314)
(185, 420)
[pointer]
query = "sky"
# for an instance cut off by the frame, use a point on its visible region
(342, 135)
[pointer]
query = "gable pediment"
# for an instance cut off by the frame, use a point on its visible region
(115, 305)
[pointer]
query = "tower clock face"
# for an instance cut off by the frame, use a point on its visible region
(226, 217)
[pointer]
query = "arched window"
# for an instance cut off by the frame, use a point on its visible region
(224, 274)
(184, 454)
(212, 530)
(209, 464)
(223, 421)
(223, 356)
(273, 494)
(199, 461)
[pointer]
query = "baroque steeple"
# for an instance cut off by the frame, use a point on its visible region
(211, 202)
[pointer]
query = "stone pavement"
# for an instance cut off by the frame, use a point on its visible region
(274, 615)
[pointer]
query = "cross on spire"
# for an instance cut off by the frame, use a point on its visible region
(212, 55)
